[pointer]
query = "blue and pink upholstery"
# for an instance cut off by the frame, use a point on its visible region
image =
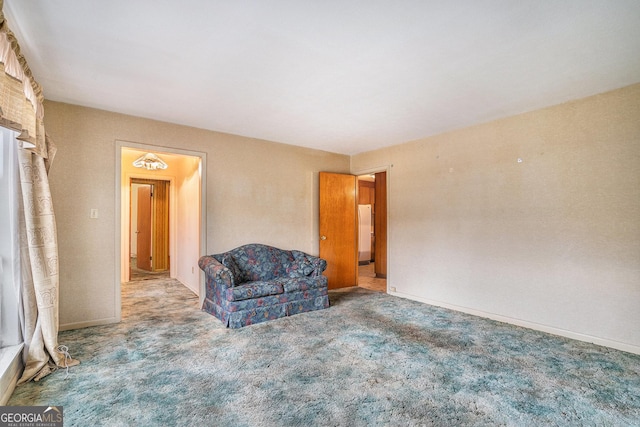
(255, 283)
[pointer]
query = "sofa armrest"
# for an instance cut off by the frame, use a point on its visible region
(216, 271)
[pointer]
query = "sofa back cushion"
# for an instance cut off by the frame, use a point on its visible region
(256, 262)
(261, 262)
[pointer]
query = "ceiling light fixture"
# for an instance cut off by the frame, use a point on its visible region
(150, 162)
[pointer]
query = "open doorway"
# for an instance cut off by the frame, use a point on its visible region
(150, 229)
(372, 234)
(184, 217)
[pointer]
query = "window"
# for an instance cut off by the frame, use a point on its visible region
(9, 253)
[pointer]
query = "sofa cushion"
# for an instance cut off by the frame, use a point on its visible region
(236, 274)
(294, 284)
(251, 290)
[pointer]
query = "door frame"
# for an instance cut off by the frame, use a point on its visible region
(387, 170)
(125, 245)
(152, 182)
(123, 200)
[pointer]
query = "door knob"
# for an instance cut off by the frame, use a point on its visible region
(323, 237)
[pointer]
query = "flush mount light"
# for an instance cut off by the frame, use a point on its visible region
(150, 162)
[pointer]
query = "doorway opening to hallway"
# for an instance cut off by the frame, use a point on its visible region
(372, 235)
(149, 229)
(178, 216)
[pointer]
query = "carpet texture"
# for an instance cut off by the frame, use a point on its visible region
(369, 360)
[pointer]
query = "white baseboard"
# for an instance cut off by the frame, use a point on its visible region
(186, 285)
(98, 322)
(630, 348)
(10, 371)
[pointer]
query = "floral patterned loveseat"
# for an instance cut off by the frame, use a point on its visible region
(255, 283)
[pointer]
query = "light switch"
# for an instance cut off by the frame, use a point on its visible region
(94, 213)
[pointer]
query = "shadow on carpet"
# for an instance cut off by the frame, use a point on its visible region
(370, 359)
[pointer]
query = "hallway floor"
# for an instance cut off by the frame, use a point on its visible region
(139, 274)
(367, 279)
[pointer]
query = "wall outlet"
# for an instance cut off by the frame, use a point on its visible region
(392, 289)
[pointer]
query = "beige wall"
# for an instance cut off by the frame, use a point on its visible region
(257, 191)
(551, 243)
(188, 215)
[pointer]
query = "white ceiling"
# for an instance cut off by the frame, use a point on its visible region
(345, 76)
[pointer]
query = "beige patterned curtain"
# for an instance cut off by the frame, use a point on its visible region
(21, 110)
(40, 279)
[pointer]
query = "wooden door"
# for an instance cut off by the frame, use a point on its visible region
(338, 228)
(143, 229)
(380, 215)
(160, 239)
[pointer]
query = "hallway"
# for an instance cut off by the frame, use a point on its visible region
(367, 279)
(139, 274)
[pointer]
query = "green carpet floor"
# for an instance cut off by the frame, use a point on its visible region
(369, 360)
